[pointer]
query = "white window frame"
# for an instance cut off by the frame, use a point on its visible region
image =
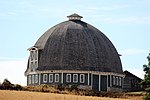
(29, 79)
(50, 78)
(33, 58)
(120, 82)
(117, 81)
(75, 80)
(68, 77)
(82, 75)
(45, 78)
(36, 78)
(33, 79)
(56, 80)
(114, 80)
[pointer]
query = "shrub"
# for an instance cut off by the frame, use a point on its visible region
(61, 87)
(147, 96)
(44, 88)
(1, 87)
(6, 85)
(17, 87)
(147, 89)
(73, 87)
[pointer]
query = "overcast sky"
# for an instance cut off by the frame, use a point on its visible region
(125, 22)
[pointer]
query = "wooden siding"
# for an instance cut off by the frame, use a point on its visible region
(131, 82)
(99, 82)
(109, 80)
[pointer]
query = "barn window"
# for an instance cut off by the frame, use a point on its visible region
(51, 78)
(33, 58)
(44, 78)
(32, 79)
(114, 80)
(36, 78)
(117, 81)
(56, 77)
(120, 81)
(29, 79)
(82, 78)
(68, 78)
(75, 78)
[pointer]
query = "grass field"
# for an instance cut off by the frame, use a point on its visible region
(25, 95)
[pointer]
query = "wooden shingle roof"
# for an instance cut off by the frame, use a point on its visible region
(76, 45)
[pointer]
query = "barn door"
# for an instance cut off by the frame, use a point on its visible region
(103, 82)
(95, 83)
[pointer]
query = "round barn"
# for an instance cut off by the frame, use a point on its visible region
(75, 52)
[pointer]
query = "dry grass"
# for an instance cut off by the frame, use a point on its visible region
(25, 95)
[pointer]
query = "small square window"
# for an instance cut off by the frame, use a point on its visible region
(114, 82)
(82, 78)
(36, 78)
(117, 81)
(75, 78)
(68, 78)
(56, 77)
(29, 79)
(120, 82)
(50, 78)
(44, 78)
(32, 79)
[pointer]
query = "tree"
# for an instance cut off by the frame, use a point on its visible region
(146, 81)
(7, 85)
(146, 69)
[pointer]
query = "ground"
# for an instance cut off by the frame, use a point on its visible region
(25, 95)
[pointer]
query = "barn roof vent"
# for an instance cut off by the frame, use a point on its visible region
(74, 17)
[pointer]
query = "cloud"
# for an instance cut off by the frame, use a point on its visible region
(107, 8)
(11, 59)
(132, 51)
(130, 19)
(13, 70)
(122, 20)
(4, 14)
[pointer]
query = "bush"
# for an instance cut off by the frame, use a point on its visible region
(73, 87)
(1, 87)
(61, 87)
(44, 85)
(147, 89)
(147, 97)
(17, 87)
(6, 85)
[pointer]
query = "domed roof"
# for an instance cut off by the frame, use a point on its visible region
(76, 45)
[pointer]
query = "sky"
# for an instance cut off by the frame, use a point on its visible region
(125, 22)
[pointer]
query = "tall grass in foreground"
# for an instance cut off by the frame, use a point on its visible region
(24, 95)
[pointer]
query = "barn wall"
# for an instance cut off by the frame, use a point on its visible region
(106, 81)
(131, 83)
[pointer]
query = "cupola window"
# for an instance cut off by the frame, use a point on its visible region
(33, 58)
(74, 17)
